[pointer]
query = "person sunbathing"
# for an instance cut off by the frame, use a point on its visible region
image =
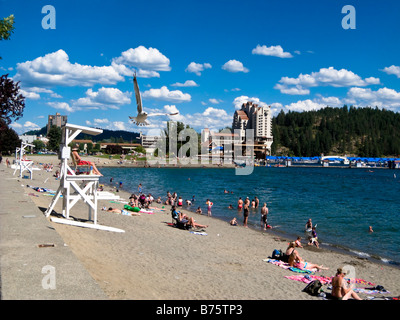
(123, 211)
(296, 261)
(340, 290)
(81, 162)
(186, 220)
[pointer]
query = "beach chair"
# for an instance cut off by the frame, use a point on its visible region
(177, 223)
(76, 166)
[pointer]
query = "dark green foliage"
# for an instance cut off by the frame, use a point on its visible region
(9, 139)
(364, 132)
(54, 137)
(119, 136)
(12, 102)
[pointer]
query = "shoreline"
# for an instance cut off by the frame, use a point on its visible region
(290, 234)
(152, 260)
(113, 163)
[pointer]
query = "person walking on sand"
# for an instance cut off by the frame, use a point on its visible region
(264, 215)
(246, 211)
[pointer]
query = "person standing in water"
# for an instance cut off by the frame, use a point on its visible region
(264, 214)
(246, 211)
(209, 206)
(240, 203)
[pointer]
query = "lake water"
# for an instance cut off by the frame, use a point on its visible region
(342, 202)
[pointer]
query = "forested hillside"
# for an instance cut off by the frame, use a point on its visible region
(107, 135)
(363, 132)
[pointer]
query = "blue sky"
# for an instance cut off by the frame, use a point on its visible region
(202, 58)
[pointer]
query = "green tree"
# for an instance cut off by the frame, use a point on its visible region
(90, 147)
(97, 147)
(9, 139)
(6, 28)
(54, 137)
(140, 149)
(12, 102)
(39, 145)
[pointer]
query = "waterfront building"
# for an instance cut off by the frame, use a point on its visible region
(259, 119)
(148, 142)
(56, 120)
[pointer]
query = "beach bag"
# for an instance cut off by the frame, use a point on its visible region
(276, 254)
(313, 287)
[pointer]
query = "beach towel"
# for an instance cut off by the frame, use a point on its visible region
(148, 212)
(327, 280)
(158, 209)
(369, 291)
(199, 233)
(308, 278)
(286, 265)
(300, 270)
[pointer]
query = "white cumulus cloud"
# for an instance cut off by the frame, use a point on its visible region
(187, 83)
(392, 70)
(234, 66)
(305, 105)
(382, 98)
(324, 77)
(238, 102)
(61, 106)
(55, 69)
(197, 68)
(104, 98)
(165, 94)
(145, 59)
(275, 51)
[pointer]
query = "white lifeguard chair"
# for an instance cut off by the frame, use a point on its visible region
(77, 187)
(21, 163)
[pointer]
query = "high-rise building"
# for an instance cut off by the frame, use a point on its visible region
(251, 116)
(56, 120)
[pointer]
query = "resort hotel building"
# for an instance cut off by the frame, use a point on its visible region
(56, 120)
(251, 116)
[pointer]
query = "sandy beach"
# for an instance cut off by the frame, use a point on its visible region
(152, 260)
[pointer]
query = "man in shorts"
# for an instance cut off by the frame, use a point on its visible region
(264, 214)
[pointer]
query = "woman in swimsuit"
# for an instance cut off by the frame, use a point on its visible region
(209, 205)
(296, 261)
(340, 291)
(81, 162)
(180, 202)
(240, 203)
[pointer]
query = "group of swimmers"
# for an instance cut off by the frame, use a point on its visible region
(173, 199)
(141, 200)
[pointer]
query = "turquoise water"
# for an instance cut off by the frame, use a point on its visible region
(343, 202)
